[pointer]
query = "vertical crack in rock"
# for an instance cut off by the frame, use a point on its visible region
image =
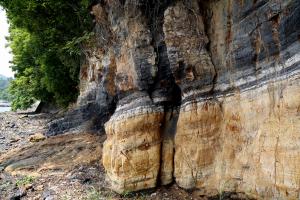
(139, 150)
(164, 91)
(197, 135)
(206, 14)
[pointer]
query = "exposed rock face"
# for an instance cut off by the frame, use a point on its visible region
(204, 93)
(132, 149)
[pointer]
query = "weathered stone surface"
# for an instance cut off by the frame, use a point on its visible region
(260, 152)
(197, 135)
(255, 112)
(244, 142)
(197, 143)
(131, 153)
(186, 45)
(205, 93)
(132, 149)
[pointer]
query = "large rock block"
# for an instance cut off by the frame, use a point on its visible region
(131, 154)
(197, 143)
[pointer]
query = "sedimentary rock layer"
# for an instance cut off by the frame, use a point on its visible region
(243, 142)
(203, 93)
(132, 149)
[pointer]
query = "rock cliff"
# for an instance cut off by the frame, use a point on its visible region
(203, 93)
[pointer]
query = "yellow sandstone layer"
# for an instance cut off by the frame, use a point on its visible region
(131, 153)
(246, 142)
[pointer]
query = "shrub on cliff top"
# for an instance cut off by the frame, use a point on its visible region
(46, 56)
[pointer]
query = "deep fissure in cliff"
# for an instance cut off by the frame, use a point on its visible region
(164, 80)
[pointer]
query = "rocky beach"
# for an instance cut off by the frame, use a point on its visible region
(65, 167)
(34, 167)
(15, 129)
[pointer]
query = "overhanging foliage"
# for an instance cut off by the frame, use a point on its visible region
(45, 38)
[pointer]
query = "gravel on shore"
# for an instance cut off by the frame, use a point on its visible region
(16, 128)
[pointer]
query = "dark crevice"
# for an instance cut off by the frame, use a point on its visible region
(207, 15)
(154, 13)
(95, 2)
(122, 2)
(164, 84)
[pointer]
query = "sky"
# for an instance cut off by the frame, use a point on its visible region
(5, 56)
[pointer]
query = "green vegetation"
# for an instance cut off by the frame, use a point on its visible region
(4, 93)
(127, 194)
(93, 194)
(24, 181)
(4, 81)
(46, 37)
(97, 194)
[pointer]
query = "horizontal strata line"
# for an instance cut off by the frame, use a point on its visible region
(285, 74)
(290, 69)
(137, 111)
(261, 86)
(292, 72)
(279, 71)
(132, 103)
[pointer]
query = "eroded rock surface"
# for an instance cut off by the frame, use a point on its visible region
(203, 93)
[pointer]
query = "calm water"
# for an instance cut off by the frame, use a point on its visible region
(3, 106)
(4, 109)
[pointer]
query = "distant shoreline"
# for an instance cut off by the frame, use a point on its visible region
(3, 106)
(4, 103)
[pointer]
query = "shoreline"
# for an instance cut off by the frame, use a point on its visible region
(4, 104)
